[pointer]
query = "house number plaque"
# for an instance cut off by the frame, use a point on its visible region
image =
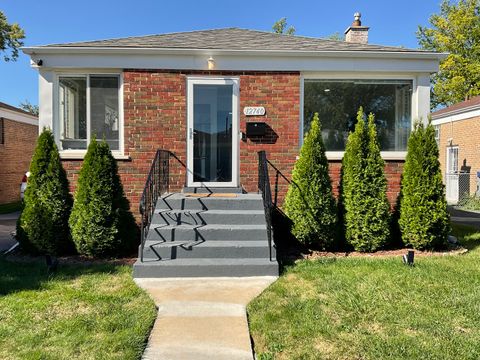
(254, 110)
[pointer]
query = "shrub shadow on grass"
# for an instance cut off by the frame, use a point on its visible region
(32, 275)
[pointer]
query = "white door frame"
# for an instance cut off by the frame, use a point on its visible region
(196, 80)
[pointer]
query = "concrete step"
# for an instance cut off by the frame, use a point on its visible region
(205, 268)
(206, 249)
(178, 201)
(206, 232)
(203, 217)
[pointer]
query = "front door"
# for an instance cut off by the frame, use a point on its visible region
(212, 138)
(451, 176)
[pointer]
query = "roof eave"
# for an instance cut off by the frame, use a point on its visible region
(62, 50)
(455, 112)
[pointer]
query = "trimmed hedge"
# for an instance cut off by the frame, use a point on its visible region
(43, 224)
(365, 204)
(309, 202)
(101, 222)
(424, 219)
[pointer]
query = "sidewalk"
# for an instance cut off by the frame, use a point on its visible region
(202, 318)
(7, 226)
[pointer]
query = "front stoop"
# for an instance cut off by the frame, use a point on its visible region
(202, 318)
(192, 236)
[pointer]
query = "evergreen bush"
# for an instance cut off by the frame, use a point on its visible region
(424, 219)
(365, 204)
(42, 227)
(309, 202)
(101, 222)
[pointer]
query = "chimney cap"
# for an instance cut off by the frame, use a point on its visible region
(356, 17)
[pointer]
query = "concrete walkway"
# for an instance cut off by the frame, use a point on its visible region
(202, 318)
(464, 217)
(7, 226)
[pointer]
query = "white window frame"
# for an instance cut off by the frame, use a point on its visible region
(338, 155)
(56, 126)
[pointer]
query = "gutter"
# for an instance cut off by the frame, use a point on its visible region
(43, 50)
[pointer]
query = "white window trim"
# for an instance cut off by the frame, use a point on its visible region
(338, 155)
(79, 154)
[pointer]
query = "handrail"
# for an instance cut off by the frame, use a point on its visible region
(265, 190)
(156, 185)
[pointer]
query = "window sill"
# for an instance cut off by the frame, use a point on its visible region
(79, 155)
(386, 155)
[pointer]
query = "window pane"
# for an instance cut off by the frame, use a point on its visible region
(104, 109)
(72, 112)
(337, 103)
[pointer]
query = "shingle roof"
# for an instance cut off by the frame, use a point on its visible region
(233, 39)
(459, 107)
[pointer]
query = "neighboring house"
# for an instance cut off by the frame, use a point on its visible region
(196, 94)
(18, 135)
(457, 130)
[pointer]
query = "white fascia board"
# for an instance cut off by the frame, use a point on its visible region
(18, 117)
(457, 116)
(238, 62)
(178, 51)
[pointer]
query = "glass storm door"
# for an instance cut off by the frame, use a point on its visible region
(212, 132)
(452, 175)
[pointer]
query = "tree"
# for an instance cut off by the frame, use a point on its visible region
(336, 36)
(101, 223)
(366, 207)
(309, 202)
(456, 30)
(43, 224)
(28, 107)
(11, 36)
(424, 219)
(280, 27)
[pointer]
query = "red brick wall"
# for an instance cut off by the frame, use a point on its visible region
(155, 117)
(15, 156)
(393, 173)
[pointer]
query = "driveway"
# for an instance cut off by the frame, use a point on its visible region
(7, 226)
(464, 217)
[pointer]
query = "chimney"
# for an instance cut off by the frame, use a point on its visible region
(356, 33)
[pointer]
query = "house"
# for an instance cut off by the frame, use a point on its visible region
(215, 98)
(457, 129)
(18, 134)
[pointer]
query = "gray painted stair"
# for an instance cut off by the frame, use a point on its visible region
(207, 236)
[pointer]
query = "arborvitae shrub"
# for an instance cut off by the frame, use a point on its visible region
(101, 222)
(43, 224)
(365, 204)
(309, 202)
(424, 219)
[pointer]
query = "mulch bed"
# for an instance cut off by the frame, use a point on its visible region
(70, 260)
(295, 254)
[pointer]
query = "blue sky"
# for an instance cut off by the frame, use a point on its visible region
(54, 21)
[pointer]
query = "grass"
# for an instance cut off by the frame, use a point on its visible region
(10, 207)
(94, 312)
(373, 308)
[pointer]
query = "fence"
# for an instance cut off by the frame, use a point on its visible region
(461, 186)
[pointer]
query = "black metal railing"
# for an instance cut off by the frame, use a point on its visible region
(156, 185)
(265, 190)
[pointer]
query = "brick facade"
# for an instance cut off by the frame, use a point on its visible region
(465, 134)
(15, 154)
(155, 116)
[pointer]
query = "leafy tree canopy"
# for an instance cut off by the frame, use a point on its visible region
(456, 30)
(11, 36)
(29, 107)
(281, 27)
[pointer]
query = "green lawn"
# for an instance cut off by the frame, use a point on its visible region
(373, 308)
(82, 312)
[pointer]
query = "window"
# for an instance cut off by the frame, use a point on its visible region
(437, 134)
(88, 105)
(2, 131)
(337, 102)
